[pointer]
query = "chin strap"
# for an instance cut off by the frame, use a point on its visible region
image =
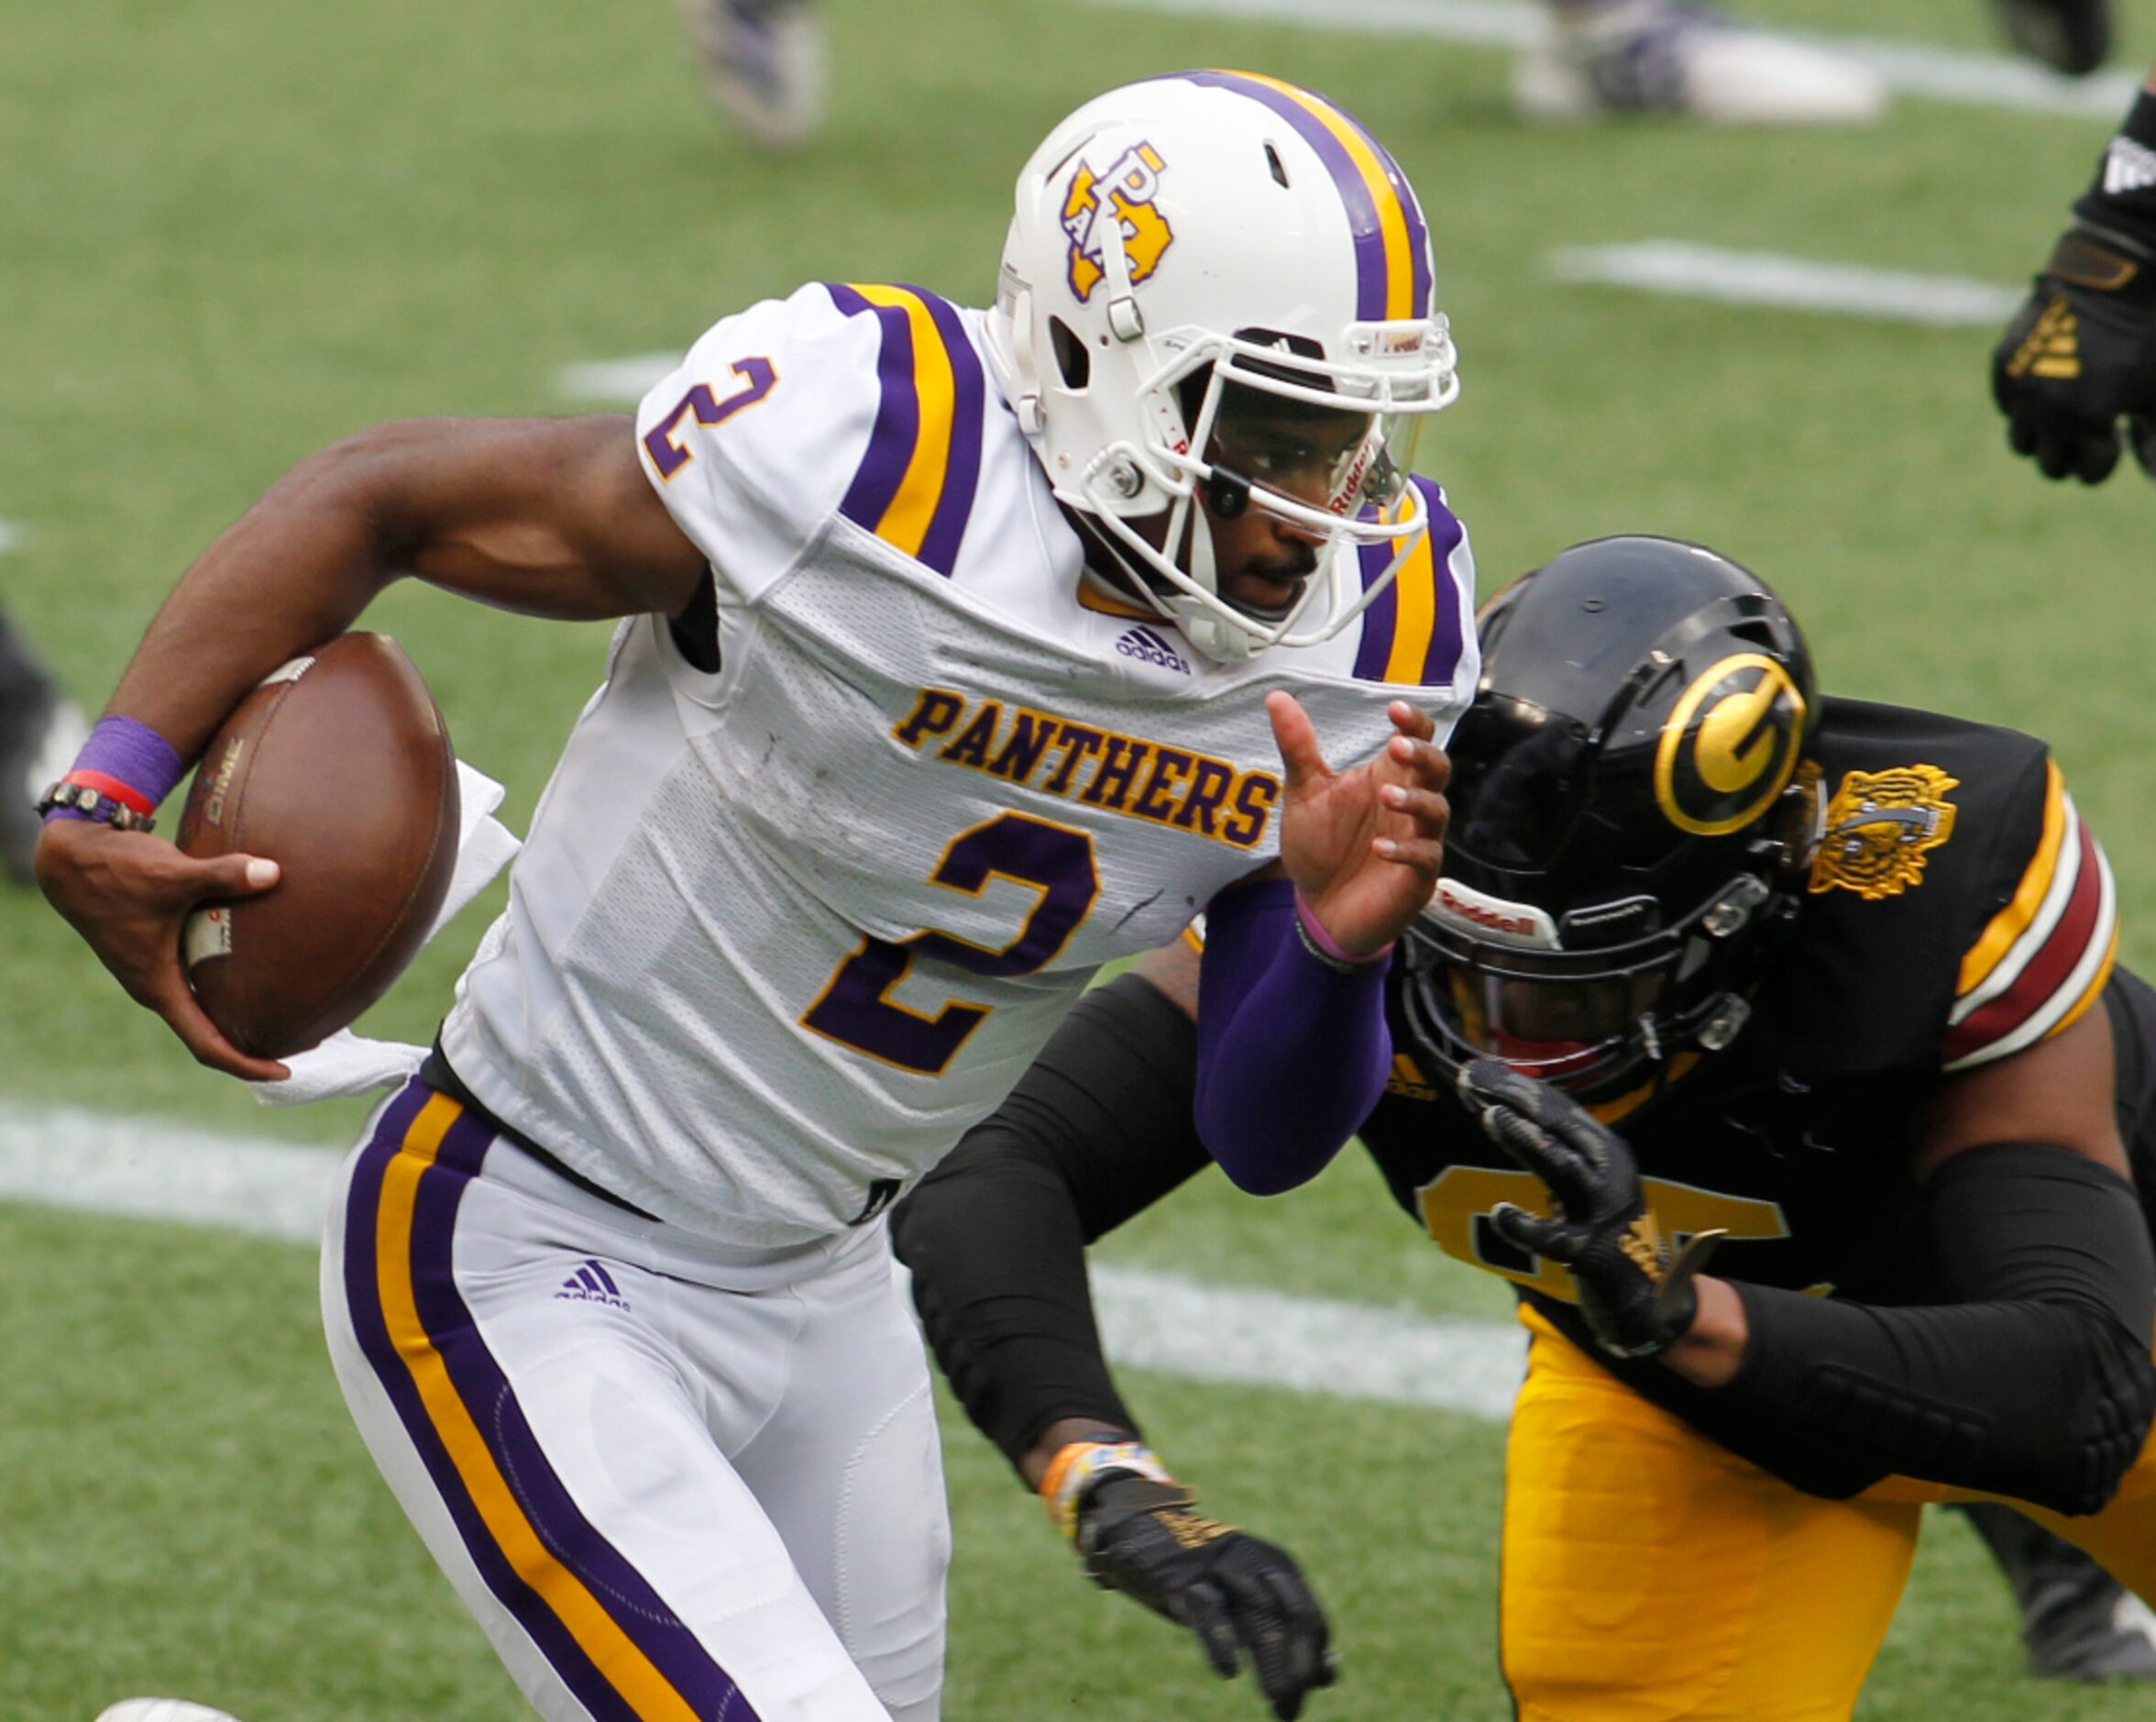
(1202, 567)
(1126, 321)
(1024, 365)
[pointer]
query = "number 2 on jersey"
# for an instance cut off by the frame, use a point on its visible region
(758, 378)
(856, 1008)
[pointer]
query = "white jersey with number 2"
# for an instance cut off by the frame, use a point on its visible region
(785, 927)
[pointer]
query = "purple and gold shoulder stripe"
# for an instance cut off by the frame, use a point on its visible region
(915, 486)
(1416, 629)
(1391, 240)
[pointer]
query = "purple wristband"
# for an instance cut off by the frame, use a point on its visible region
(130, 752)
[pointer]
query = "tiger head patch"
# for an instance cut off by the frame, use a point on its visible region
(1880, 828)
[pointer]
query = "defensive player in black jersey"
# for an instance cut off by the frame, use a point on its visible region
(1829, 983)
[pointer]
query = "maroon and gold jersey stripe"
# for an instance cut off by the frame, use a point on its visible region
(2043, 960)
(2012, 921)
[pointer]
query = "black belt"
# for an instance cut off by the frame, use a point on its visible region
(436, 1073)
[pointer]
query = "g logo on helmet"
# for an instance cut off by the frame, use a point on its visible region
(1123, 191)
(1729, 746)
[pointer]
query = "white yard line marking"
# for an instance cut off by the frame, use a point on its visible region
(65, 1157)
(613, 379)
(1970, 80)
(11, 536)
(1682, 271)
(1942, 74)
(1183, 1327)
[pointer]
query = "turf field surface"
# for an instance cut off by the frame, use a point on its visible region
(236, 231)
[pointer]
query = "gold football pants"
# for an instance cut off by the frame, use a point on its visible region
(1650, 1573)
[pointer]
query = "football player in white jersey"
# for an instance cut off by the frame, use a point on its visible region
(963, 651)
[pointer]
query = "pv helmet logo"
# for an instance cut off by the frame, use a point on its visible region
(1729, 746)
(1123, 191)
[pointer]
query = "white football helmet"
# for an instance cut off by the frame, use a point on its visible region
(1194, 255)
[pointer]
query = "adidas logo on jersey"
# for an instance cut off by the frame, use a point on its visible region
(1150, 647)
(2128, 167)
(591, 1283)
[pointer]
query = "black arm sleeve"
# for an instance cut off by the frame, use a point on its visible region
(1099, 1129)
(2036, 1384)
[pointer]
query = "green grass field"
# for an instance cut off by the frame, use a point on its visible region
(232, 231)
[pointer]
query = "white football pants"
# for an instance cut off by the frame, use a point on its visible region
(671, 1482)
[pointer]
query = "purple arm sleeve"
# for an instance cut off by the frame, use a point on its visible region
(1292, 1054)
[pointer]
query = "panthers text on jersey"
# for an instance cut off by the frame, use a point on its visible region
(787, 922)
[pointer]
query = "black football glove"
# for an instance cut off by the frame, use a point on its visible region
(1635, 1294)
(2079, 356)
(1236, 1592)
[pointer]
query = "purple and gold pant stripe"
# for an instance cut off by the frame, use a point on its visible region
(915, 486)
(1391, 241)
(610, 1637)
(1414, 629)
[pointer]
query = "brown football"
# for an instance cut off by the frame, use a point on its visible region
(338, 768)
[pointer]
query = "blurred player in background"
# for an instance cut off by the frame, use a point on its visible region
(2077, 363)
(766, 64)
(40, 730)
(1680, 57)
(1841, 974)
(965, 651)
(1605, 58)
